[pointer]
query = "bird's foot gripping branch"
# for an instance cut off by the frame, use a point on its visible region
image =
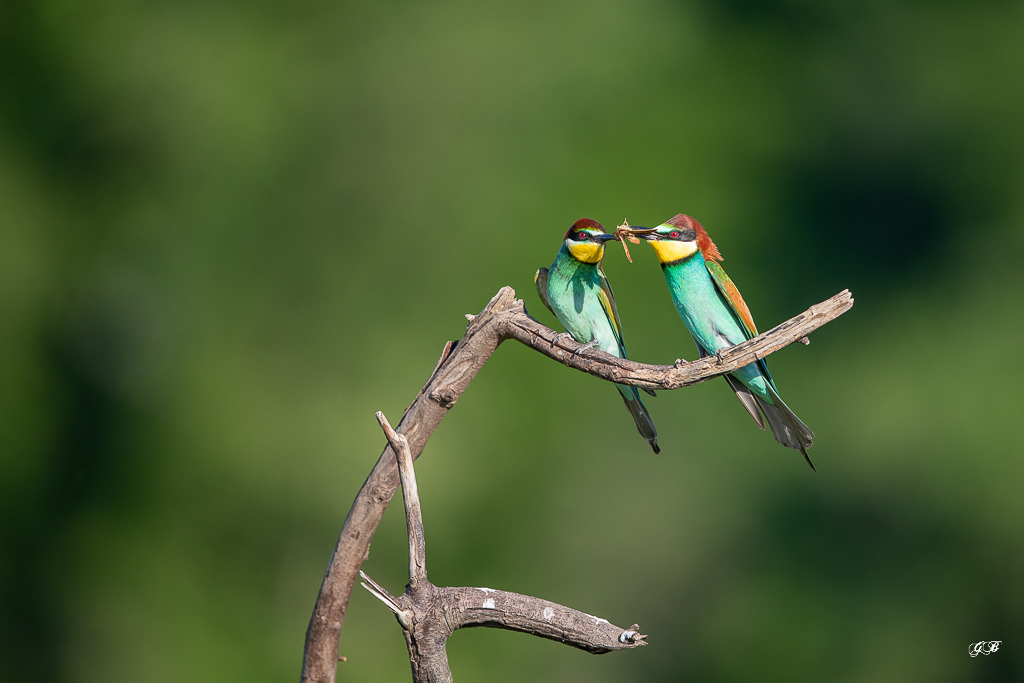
(503, 318)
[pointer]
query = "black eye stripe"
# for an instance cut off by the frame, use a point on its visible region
(687, 235)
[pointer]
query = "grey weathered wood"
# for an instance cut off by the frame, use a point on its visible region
(527, 614)
(517, 324)
(503, 318)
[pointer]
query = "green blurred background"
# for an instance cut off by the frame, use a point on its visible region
(231, 231)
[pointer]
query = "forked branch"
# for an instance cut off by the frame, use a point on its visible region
(429, 615)
(503, 318)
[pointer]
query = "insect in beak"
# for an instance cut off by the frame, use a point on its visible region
(627, 232)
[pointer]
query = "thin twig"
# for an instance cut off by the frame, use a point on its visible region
(376, 590)
(411, 496)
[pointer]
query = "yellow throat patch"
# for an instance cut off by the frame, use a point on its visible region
(670, 250)
(587, 252)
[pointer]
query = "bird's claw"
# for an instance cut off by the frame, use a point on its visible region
(560, 336)
(580, 349)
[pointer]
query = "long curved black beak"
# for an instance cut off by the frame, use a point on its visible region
(605, 237)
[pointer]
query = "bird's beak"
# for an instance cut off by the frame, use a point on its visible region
(634, 231)
(605, 237)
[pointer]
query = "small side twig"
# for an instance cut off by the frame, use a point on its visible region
(411, 496)
(376, 590)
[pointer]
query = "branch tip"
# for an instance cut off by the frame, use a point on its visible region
(389, 432)
(632, 636)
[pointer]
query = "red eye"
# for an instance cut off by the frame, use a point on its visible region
(674, 234)
(581, 236)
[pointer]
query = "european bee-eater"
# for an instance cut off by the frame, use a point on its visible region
(577, 291)
(717, 317)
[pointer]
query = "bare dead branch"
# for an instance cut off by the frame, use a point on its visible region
(503, 318)
(430, 615)
(517, 324)
(527, 614)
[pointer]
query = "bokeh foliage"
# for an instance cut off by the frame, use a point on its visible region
(232, 231)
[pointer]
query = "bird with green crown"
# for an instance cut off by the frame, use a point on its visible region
(577, 291)
(717, 317)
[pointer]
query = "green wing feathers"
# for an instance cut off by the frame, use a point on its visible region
(786, 427)
(541, 280)
(732, 295)
(644, 423)
(612, 311)
(608, 304)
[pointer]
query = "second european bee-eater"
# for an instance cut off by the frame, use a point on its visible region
(577, 291)
(717, 317)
